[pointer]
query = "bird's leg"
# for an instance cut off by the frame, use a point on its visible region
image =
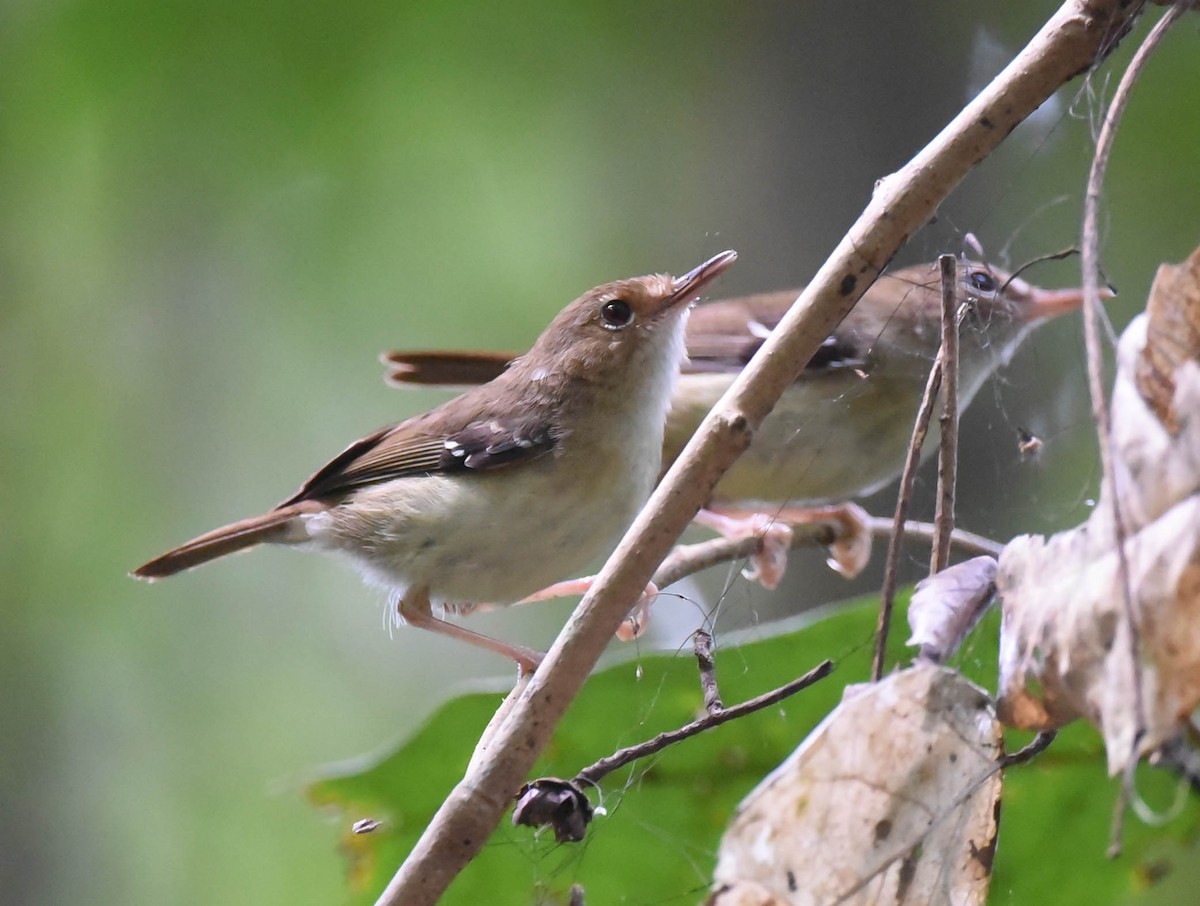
(769, 564)
(416, 610)
(634, 624)
(848, 554)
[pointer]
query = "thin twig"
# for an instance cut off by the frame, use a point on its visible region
(702, 643)
(1072, 41)
(948, 448)
(688, 559)
(594, 773)
(1178, 756)
(887, 595)
(962, 541)
(1090, 254)
(1116, 829)
(1036, 746)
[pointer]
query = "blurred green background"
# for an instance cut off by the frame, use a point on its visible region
(216, 215)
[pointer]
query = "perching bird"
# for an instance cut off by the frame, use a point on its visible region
(511, 486)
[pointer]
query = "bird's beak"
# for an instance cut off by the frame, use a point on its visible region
(1050, 303)
(684, 289)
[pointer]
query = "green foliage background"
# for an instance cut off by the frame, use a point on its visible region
(216, 215)
(664, 815)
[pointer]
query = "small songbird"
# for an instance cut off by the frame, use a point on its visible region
(509, 487)
(841, 430)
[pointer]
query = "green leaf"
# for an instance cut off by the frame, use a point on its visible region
(663, 816)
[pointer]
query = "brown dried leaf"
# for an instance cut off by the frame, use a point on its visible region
(1172, 336)
(893, 798)
(1065, 631)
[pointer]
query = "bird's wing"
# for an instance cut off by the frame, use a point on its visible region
(724, 336)
(411, 449)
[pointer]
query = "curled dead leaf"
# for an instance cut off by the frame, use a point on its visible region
(948, 604)
(1067, 647)
(1172, 336)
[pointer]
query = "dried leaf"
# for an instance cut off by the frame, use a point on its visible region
(1066, 646)
(560, 804)
(945, 606)
(1064, 629)
(1172, 336)
(893, 798)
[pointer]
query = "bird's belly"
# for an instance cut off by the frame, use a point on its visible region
(485, 537)
(820, 445)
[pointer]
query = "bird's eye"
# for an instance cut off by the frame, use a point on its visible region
(982, 281)
(616, 314)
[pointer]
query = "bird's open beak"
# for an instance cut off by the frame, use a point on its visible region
(1050, 303)
(687, 287)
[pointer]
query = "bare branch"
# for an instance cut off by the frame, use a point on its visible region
(887, 596)
(1090, 254)
(688, 559)
(948, 450)
(965, 542)
(702, 642)
(594, 773)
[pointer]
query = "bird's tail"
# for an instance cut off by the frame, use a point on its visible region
(279, 525)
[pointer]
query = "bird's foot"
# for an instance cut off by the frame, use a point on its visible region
(850, 552)
(768, 566)
(639, 618)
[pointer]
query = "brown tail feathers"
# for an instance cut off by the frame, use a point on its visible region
(446, 368)
(273, 526)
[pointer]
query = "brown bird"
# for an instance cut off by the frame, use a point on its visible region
(842, 429)
(512, 485)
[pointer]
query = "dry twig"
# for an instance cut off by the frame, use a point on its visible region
(564, 806)
(887, 595)
(943, 379)
(943, 517)
(702, 642)
(688, 559)
(1036, 747)
(594, 773)
(1090, 254)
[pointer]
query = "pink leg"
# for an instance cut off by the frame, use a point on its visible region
(769, 564)
(634, 625)
(415, 609)
(639, 618)
(564, 589)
